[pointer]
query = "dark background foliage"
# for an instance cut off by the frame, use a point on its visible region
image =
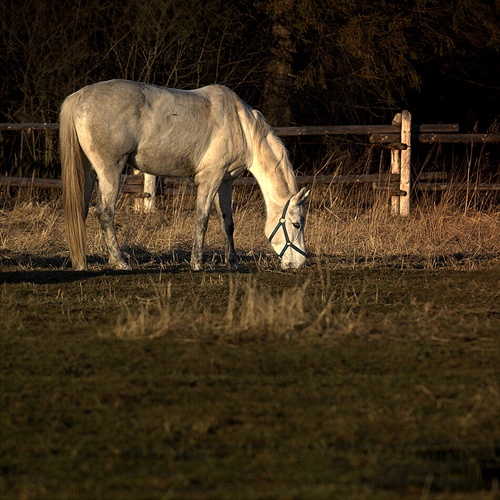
(302, 62)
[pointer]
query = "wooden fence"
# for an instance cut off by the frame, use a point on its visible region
(398, 137)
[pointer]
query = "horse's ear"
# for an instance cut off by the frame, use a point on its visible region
(301, 197)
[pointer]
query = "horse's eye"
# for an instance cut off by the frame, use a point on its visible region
(296, 225)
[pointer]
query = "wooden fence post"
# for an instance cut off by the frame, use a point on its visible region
(147, 202)
(396, 168)
(149, 188)
(404, 184)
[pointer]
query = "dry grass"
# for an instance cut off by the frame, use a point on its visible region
(344, 226)
(248, 310)
(342, 233)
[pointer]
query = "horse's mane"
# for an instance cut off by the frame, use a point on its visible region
(264, 132)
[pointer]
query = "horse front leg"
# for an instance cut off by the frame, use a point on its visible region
(225, 210)
(204, 198)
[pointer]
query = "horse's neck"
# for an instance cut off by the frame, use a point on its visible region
(273, 184)
(269, 164)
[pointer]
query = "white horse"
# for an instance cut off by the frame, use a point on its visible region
(208, 133)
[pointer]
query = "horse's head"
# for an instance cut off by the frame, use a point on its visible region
(287, 234)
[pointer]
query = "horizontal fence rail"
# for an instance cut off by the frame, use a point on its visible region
(289, 131)
(387, 138)
(425, 181)
(29, 126)
(398, 137)
(135, 183)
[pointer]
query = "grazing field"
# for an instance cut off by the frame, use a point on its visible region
(373, 372)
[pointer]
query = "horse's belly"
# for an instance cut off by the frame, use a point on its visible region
(168, 165)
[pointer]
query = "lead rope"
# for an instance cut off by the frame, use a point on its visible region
(288, 244)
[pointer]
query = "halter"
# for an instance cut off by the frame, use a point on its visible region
(288, 244)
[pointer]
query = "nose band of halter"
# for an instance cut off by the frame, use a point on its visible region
(288, 243)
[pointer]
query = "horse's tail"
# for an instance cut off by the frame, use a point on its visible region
(73, 183)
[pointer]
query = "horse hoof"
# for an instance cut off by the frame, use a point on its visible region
(121, 266)
(195, 266)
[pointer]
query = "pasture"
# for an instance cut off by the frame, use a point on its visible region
(373, 372)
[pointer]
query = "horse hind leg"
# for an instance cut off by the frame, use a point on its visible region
(90, 178)
(224, 208)
(109, 185)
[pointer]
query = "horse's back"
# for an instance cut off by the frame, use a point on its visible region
(128, 101)
(163, 131)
